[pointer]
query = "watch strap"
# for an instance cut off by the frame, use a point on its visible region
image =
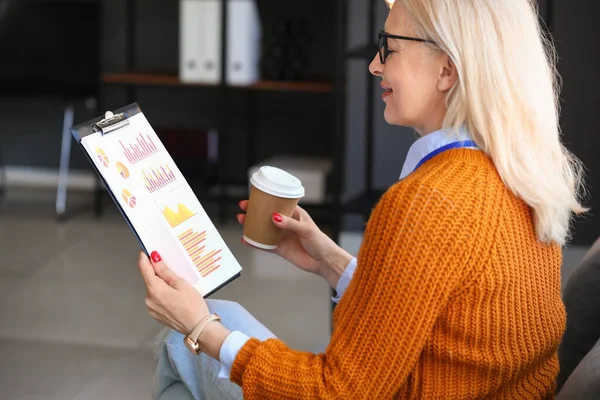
(199, 328)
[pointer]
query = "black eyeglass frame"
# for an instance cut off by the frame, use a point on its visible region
(384, 50)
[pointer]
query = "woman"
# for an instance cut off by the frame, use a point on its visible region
(456, 290)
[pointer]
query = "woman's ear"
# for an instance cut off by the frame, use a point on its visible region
(448, 75)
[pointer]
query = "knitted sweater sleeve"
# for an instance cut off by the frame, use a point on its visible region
(414, 255)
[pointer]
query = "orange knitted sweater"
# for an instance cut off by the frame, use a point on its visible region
(453, 298)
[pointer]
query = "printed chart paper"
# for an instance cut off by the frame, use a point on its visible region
(160, 204)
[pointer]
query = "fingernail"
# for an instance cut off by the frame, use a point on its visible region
(277, 217)
(155, 256)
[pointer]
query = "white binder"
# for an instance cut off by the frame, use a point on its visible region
(243, 46)
(200, 41)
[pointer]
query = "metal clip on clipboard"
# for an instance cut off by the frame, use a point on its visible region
(110, 123)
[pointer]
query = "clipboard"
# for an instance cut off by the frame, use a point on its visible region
(196, 252)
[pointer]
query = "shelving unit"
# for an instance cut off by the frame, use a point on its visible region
(133, 77)
(335, 208)
(162, 79)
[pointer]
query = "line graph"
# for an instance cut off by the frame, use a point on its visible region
(206, 261)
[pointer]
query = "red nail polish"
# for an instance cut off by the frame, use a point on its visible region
(155, 256)
(277, 217)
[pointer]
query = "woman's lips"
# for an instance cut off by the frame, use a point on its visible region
(387, 90)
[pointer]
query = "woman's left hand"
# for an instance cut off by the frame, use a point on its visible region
(170, 299)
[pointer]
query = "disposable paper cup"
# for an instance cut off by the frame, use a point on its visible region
(272, 190)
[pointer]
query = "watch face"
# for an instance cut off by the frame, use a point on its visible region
(191, 345)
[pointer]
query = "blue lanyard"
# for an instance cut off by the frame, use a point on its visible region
(453, 145)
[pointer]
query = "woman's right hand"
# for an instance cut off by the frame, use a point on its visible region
(306, 246)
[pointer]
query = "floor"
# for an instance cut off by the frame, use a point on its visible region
(73, 324)
(72, 319)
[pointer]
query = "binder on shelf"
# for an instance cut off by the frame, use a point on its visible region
(154, 198)
(243, 42)
(201, 41)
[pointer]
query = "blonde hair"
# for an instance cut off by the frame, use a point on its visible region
(507, 97)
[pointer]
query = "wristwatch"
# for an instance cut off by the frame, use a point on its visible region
(191, 340)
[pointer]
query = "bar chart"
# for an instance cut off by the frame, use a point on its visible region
(158, 178)
(139, 150)
(206, 261)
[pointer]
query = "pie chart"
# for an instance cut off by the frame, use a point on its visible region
(123, 171)
(102, 156)
(128, 198)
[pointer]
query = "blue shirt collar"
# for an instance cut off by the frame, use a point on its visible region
(430, 143)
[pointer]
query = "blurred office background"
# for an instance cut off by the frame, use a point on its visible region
(72, 319)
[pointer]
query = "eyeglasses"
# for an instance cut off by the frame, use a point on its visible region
(384, 50)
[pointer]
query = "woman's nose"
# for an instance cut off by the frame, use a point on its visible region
(375, 66)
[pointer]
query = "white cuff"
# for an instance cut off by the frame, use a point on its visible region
(345, 279)
(229, 350)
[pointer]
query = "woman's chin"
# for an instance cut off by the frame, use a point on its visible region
(390, 117)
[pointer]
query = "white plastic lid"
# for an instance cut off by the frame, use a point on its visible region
(277, 182)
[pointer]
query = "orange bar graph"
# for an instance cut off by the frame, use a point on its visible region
(210, 263)
(209, 271)
(194, 240)
(186, 235)
(197, 253)
(205, 261)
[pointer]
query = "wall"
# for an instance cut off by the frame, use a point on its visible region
(391, 143)
(578, 44)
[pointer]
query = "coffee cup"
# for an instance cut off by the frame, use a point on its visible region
(272, 190)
